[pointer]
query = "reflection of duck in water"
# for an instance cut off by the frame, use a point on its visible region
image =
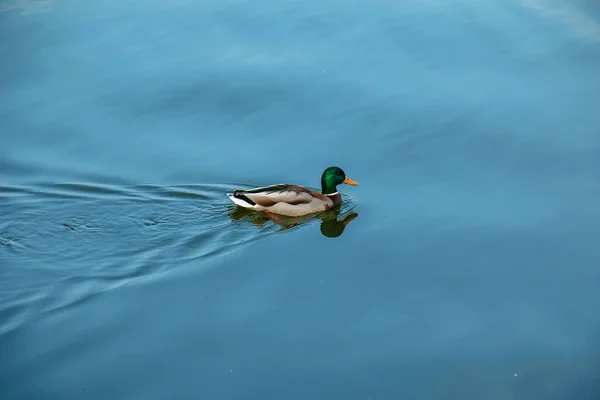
(294, 200)
(330, 225)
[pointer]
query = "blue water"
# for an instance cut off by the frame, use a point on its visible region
(464, 266)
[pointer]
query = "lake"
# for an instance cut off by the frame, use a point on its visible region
(466, 265)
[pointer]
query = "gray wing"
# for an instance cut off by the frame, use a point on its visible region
(270, 195)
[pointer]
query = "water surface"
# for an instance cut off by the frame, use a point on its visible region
(465, 265)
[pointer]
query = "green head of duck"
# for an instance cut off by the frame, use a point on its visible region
(332, 177)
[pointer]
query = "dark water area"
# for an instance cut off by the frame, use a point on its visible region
(466, 265)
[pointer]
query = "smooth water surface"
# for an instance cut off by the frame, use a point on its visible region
(466, 265)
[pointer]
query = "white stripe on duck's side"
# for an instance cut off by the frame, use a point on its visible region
(285, 199)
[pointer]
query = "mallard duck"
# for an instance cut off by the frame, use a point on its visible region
(294, 200)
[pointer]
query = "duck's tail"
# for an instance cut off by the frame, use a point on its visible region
(240, 199)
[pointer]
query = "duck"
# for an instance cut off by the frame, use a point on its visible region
(294, 200)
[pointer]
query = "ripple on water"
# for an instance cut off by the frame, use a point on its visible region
(64, 244)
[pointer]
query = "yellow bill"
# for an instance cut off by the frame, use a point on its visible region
(349, 181)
